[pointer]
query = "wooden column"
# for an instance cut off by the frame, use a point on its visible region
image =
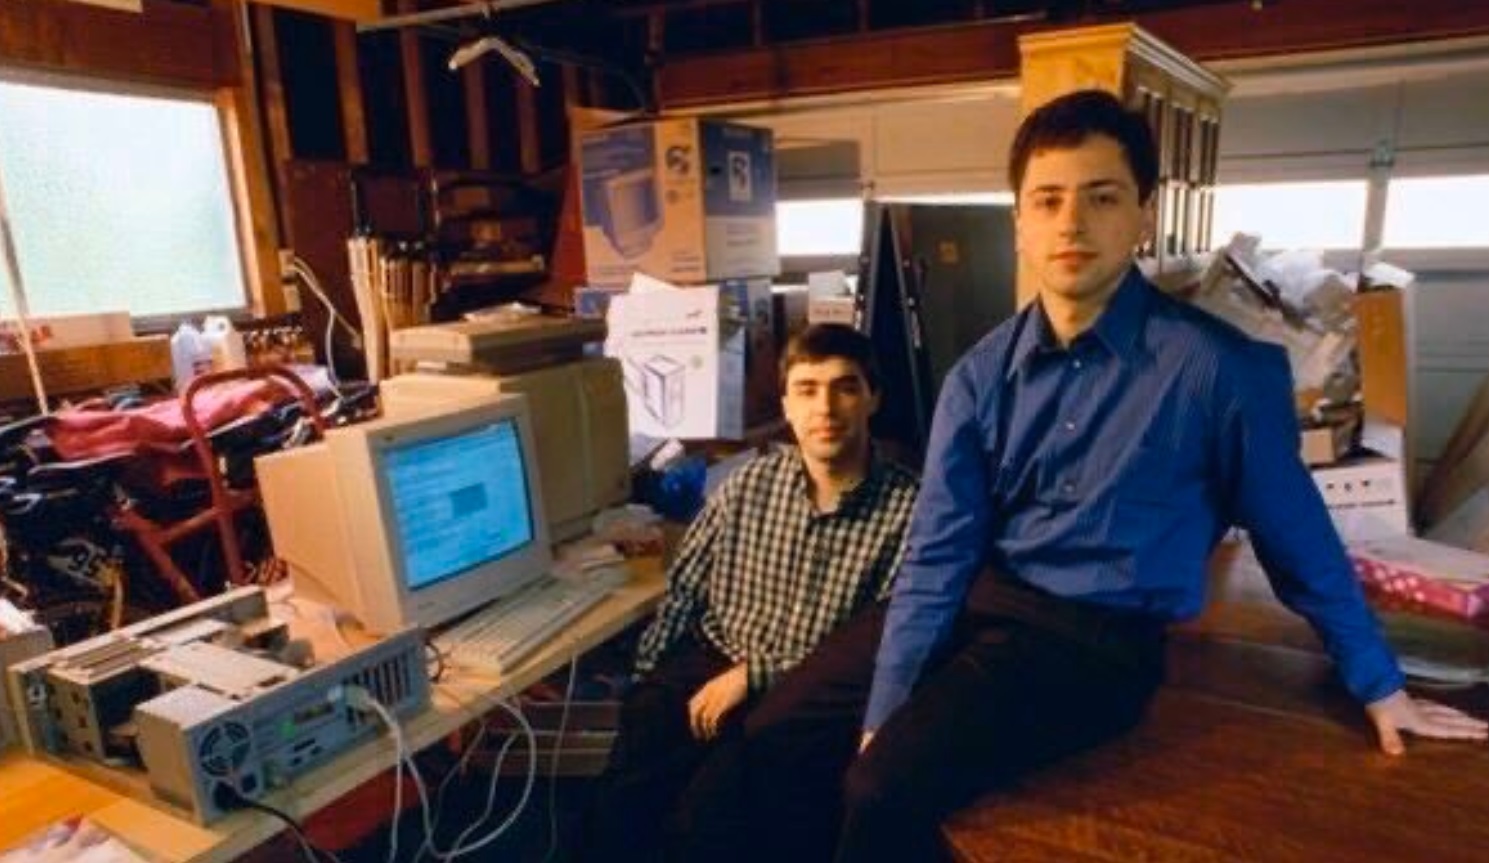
(349, 81)
(478, 127)
(421, 147)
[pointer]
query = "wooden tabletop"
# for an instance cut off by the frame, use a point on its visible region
(1252, 752)
(36, 792)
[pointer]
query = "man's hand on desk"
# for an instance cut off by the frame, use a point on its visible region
(1400, 712)
(708, 706)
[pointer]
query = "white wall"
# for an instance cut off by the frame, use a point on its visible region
(1425, 109)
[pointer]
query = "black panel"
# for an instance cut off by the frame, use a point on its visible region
(553, 125)
(718, 28)
(444, 92)
(785, 20)
(383, 100)
(936, 280)
(312, 97)
(501, 119)
(893, 13)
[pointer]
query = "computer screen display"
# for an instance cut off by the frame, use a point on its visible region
(459, 501)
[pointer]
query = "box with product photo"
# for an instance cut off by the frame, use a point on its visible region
(685, 352)
(686, 200)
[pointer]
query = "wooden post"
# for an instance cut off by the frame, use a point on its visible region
(349, 82)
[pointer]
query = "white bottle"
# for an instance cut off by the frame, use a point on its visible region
(225, 344)
(190, 355)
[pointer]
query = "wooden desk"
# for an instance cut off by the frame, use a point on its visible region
(1251, 752)
(37, 792)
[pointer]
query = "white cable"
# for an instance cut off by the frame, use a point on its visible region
(496, 772)
(300, 269)
(461, 848)
(558, 743)
(361, 699)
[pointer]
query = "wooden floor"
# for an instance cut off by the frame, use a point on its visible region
(1252, 753)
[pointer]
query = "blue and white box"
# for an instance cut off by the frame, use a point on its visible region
(688, 201)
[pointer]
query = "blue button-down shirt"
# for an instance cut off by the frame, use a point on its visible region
(1108, 471)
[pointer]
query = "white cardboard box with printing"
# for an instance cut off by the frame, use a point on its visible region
(683, 354)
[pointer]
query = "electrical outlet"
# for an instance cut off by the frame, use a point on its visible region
(289, 283)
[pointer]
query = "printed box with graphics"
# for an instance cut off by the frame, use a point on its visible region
(685, 353)
(1366, 498)
(687, 201)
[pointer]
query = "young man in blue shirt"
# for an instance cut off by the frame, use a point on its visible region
(1085, 459)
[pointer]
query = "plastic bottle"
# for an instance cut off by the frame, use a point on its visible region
(224, 344)
(190, 355)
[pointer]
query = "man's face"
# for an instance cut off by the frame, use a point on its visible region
(828, 404)
(1079, 218)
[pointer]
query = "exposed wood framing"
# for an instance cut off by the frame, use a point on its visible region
(988, 50)
(529, 134)
(271, 97)
(253, 192)
(167, 43)
(349, 82)
(478, 125)
(421, 145)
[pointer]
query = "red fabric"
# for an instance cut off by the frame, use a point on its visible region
(159, 430)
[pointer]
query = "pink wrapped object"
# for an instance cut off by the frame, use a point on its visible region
(1411, 575)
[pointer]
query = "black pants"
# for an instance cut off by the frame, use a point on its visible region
(656, 765)
(1025, 679)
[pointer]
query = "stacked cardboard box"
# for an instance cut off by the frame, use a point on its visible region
(1348, 351)
(684, 210)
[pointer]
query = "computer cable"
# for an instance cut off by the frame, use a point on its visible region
(496, 772)
(365, 701)
(461, 846)
(301, 270)
(471, 748)
(440, 660)
(313, 854)
(558, 742)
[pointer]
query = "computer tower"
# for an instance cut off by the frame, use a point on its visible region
(933, 280)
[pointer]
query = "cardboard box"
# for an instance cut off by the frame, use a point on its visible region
(1325, 444)
(1366, 498)
(68, 371)
(699, 362)
(68, 331)
(832, 310)
(689, 201)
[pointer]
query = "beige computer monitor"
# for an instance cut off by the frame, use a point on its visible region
(579, 418)
(413, 519)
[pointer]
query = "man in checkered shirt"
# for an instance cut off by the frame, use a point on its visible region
(783, 553)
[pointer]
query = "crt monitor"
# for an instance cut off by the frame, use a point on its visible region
(412, 520)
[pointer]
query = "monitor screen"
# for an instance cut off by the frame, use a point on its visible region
(459, 501)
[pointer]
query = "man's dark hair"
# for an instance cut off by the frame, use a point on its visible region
(1068, 121)
(820, 342)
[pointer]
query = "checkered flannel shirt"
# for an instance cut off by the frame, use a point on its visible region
(763, 576)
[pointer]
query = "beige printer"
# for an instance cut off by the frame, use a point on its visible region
(578, 403)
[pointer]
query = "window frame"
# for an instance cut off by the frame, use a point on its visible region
(234, 168)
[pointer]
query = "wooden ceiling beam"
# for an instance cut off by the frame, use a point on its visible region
(989, 51)
(346, 10)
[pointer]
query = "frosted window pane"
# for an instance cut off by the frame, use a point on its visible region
(117, 202)
(1437, 213)
(1323, 215)
(830, 226)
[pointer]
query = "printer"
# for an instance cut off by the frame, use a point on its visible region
(578, 402)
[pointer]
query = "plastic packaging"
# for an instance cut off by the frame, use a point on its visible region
(191, 355)
(224, 344)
